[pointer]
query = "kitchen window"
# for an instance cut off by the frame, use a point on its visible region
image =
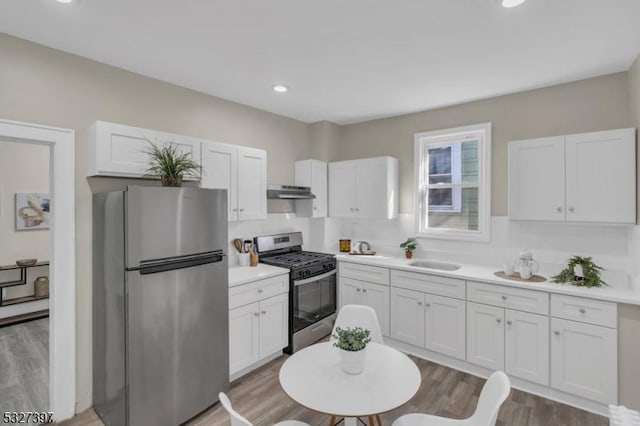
(452, 182)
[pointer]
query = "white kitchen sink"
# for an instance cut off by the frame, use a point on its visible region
(433, 264)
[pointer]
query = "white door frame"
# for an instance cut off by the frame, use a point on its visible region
(62, 302)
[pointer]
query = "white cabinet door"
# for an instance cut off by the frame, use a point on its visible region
(220, 170)
(244, 329)
(377, 296)
(537, 179)
(274, 322)
(445, 325)
(601, 182)
(252, 183)
(371, 184)
(350, 291)
(584, 360)
(119, 150)
(342, 189)
(485, 336)
(312, 173)
(407, 316)
(527, 346)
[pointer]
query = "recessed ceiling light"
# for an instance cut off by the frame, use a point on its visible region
(511, 3)
(64, 1)
(280, 88)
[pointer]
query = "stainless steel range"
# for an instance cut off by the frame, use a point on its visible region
(312, 293)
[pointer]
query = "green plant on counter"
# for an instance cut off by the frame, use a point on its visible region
(168, 164)
(590, 273)
(351, 339)
(410, 244)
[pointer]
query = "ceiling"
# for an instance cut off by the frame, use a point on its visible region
(345, 61)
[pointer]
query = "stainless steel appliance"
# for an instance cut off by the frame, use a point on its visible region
(312, 293)
(160, 304)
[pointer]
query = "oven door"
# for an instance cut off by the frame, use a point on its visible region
(314, 298)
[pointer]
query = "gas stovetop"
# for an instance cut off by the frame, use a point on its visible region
(285, 250)
(295, 259)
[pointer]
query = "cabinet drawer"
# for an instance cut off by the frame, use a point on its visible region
(536, 302)
(442, 286)
(584, 310)
(372, 274)
(258, 290)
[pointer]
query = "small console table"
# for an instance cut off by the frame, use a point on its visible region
(21, 281)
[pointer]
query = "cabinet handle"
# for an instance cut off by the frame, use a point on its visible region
(556, 332)
(509, 322)
(357, 210)
(498, 320)
(419, 303)
(264, 312)
(583, 310)
(241, 210)
(572, 209)
(504, 297)
(235, 210)
(315, 208)
(352, 209)
(357, 289)
(259, 290)
(428, 304)
(364, 290)
(559, 209)
(256, 314)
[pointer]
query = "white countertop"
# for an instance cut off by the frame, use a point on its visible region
(245, 274)
(485, 273)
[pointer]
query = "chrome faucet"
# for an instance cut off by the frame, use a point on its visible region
(362, 247)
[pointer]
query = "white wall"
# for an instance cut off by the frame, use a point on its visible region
(23, 168)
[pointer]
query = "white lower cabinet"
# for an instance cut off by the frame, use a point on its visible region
(433, 322)
(257, 330)
(584, 360)
(513, 341)
(526, 349)
(355, 292)
(407, 316)
(485, 335)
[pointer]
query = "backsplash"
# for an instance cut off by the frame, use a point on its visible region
(552, 244)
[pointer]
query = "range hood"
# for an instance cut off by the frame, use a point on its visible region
(289, 192)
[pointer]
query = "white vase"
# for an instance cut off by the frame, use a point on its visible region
(352, 362)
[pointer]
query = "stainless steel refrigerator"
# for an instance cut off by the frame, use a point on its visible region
(160, 304)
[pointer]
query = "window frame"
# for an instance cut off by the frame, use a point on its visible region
(456, 177)
(482, 132)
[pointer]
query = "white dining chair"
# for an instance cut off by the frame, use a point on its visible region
(494, 392)
(238, 420)
(359, 316)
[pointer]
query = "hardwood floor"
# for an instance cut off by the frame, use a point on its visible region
(444, 392)
(24, 366)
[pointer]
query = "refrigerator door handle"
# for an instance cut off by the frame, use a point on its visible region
(163, 265)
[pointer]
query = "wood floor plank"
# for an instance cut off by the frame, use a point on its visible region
(444, 392)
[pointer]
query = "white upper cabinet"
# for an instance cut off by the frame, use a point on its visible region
(242, 172)
(118, 150)
(601, 177)
(220, 166)
(312, 173)
(342, 189)
(366, 188)
(536, 179)
(588, 178)
(252, 183)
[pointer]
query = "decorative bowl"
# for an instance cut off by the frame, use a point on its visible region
(26, 262)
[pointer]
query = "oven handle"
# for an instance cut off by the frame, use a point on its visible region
(314, 278)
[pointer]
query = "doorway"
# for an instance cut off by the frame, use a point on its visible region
(37, 213)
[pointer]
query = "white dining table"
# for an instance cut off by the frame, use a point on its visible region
(314, 379)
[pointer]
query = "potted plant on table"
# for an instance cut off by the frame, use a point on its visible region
(169, 165)
(409, 246)
(352, 343)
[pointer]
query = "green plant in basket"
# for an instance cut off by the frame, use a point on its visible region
(590, 273)
(167, 163)
(351, 339)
